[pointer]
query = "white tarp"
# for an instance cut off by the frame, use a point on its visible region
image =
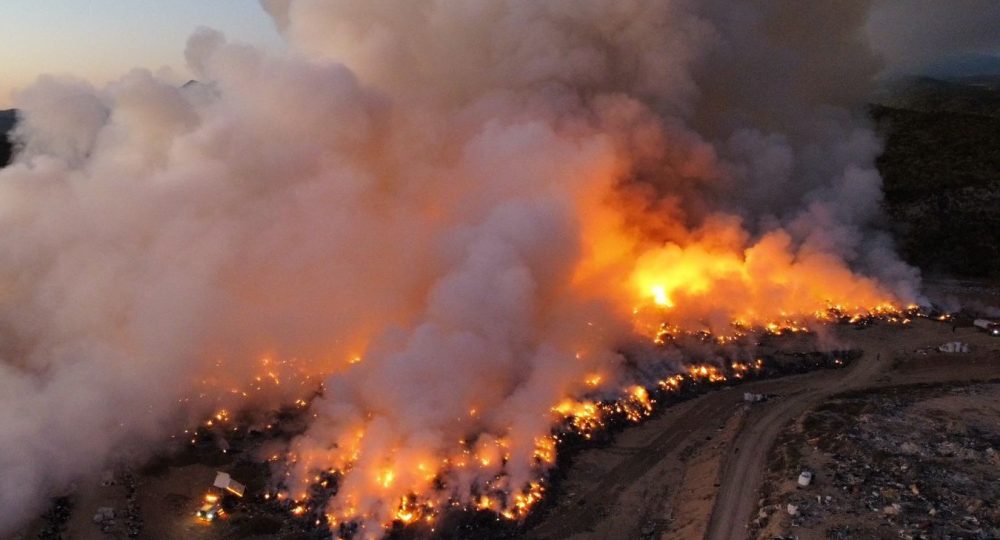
(226, 482)
(954, 347)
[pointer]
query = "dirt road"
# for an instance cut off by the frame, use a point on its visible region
(636, 487)
(597, 512)
(742, 472)
(622, 491)
(743, 469)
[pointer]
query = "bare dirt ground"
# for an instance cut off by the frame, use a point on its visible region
(907, 461)
(617, 491)
(737, 497)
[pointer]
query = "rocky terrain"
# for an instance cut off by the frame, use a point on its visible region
(912, 461)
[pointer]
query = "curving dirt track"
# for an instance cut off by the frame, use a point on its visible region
(589, 514)
(742, 471)
(639, 487)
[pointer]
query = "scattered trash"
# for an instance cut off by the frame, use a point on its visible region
(954, 347)
(104, 513)
(889, 461)
(805, 478)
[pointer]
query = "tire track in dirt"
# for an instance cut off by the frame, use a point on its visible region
(593, 506)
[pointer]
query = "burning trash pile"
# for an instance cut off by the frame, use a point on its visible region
(434, 229)
(577, 423)
(890, 462)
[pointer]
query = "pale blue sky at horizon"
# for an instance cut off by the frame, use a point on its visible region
(100, 40)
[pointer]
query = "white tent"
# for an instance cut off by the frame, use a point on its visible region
(954, 347)
(226, 482)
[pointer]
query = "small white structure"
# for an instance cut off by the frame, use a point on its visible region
(226, 482)
(954, 347)
(104, 513)
(792, 509)
(805, 478)
(988, 326)
(750, 397)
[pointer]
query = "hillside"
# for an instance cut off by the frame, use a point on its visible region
(979, 95)
(941, 167)
(7, 120)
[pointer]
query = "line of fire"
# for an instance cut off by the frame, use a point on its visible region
(577, 423)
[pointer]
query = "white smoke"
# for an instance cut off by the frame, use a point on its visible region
(413, 184)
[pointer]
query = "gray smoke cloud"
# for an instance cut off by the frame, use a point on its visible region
(418, 185)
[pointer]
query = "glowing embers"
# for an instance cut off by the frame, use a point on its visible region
(420, 488)
(524, 501)
(411, 510)
(249, 409)
(672, 383)
(352, 490)
(545, 449)
(409, 486)
(740, 370)
(739, 329)
(710, 373)
(586, 417)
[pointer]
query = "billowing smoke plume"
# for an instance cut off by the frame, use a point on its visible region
(471, 198)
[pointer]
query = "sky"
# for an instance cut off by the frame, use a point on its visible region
(100, 40)
(936, 37)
